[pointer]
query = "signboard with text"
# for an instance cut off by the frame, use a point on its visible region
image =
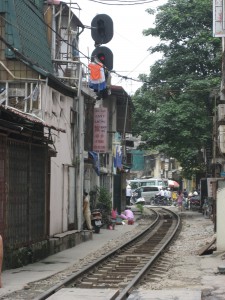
(218, 18)
(100, 138)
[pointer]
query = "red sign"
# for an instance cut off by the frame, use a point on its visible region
(100, 138)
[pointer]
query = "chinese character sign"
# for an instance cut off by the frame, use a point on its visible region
(100, 139)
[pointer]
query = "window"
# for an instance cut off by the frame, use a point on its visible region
(154, 188)
(149, 183)
(150, 189)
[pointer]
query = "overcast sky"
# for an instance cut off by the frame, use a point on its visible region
(128, 44)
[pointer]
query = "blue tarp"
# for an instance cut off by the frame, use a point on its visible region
(118, 158)
(96, 165)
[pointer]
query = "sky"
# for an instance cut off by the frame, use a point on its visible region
(129, 45)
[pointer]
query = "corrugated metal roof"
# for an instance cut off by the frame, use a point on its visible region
(119, 90)
(28, 117)
(121, 94)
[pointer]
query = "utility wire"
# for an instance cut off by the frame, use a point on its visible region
(30, 62)
(66, 42)
(126, 1)
(120, 3)
(61, 39)
(136, 66)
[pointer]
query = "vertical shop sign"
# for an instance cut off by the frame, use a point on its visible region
(100, 139)
(218, 18)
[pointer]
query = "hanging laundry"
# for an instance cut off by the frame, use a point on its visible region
(95, 70)
(97, 76)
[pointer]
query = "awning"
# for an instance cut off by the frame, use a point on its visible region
(172, 183)
(26, 118)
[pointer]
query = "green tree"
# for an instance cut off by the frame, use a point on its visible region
(173, 108)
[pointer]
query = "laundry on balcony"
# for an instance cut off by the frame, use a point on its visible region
(97, 80)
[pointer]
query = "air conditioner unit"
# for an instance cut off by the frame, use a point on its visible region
(221, 112)
(221, 138)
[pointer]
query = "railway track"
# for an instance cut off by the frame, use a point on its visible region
(121, 269)
(124, 267)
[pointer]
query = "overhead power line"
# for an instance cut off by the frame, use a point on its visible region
(30, 62)
(123, 2)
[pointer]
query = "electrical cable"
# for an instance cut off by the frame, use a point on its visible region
(124, 2)
(65, 41)
(26, 60)
(136, 67)
(34, 63)
(58, 35)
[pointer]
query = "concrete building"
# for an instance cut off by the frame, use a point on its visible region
(48, 149)
(215, 186)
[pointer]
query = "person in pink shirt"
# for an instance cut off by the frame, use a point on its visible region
(127, 215)
(180, 200)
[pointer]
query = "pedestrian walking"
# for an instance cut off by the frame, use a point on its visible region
(185, 199)
(128, 194)
(180, 201)
(113, 217)
(174, 197)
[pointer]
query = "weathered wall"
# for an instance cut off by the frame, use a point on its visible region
(220, 216)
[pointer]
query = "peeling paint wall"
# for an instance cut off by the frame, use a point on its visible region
(220, 216)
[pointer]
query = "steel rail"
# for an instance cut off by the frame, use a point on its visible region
(124, 294)
(92, 265)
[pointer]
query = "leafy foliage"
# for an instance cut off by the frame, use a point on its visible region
(140, 207)
(173, 108)
(104, 197)
(104, 203)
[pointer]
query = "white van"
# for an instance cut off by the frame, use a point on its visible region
(160, 182)
(146, 192)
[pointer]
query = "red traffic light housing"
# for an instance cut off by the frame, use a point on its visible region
(105, 55)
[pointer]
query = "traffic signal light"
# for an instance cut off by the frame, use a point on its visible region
(102, 29)
(105, 55)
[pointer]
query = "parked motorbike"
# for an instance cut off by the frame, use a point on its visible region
(207, 208)
(96, 220)
(134, 200)
(186, 203)
(195, 202)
